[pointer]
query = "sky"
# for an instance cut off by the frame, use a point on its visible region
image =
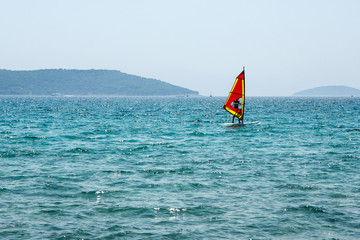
(285, 45)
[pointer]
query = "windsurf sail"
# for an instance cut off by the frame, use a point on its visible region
(235, 103)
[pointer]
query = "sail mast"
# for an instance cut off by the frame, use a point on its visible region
(242, 118)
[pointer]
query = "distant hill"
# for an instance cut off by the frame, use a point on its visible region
(330, 91)
(84, 82)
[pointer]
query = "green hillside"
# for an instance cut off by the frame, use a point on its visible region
(84, 82)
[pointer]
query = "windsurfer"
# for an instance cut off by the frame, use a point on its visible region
(236, 105)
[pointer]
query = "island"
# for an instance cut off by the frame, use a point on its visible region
(62, 82)
(330, 91)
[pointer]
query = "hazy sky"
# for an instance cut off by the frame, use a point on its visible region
(285, 45)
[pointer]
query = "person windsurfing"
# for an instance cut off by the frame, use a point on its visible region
(236, 105)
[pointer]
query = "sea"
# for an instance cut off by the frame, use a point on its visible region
(171, 168)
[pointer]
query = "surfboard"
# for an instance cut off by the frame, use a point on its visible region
(240, 124)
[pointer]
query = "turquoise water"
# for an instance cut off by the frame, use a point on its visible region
(167, 168)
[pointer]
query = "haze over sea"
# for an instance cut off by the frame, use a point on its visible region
(167, 168)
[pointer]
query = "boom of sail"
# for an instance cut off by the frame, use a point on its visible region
(237, 92)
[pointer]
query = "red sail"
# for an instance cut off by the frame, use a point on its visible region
(234, 107)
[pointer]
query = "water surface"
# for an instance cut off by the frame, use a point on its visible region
(167, 168)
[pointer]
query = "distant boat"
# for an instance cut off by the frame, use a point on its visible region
(210, 95)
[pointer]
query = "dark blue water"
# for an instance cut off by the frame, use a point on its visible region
(167, 168)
